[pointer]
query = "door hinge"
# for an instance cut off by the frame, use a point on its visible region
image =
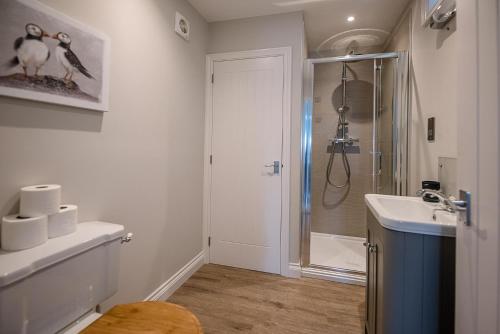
(210, 159)
(213, 78)
(209, 241)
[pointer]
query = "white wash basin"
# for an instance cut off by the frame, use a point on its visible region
(411, 214)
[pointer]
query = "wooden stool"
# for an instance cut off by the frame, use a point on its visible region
(146, 317)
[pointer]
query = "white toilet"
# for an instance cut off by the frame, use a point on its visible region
(55, 287)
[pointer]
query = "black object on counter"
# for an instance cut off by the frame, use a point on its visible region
(431, 185)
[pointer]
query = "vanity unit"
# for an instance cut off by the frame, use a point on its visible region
(410, 267)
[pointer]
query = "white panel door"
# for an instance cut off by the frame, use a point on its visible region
(478, 244)
(246, 194)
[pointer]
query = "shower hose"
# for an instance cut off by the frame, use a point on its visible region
(345, 160)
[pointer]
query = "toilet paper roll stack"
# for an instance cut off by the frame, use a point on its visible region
(41, 216)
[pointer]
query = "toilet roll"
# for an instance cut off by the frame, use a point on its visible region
(19, 233)
(63, 222)
(40, 200)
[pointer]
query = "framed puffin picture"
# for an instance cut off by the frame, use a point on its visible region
(49, 57)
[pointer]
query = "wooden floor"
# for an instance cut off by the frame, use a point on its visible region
(229, 300)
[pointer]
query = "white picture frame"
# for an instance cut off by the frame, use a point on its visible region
(78, 90)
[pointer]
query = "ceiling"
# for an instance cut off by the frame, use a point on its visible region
(323, 18)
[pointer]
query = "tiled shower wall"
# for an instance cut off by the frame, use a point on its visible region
(341, 211)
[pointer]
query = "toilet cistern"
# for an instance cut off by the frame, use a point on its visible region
(75, 272)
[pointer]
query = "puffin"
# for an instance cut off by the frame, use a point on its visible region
(31, 50)
(68, 58)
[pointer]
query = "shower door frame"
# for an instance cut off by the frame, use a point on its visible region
(400, 155)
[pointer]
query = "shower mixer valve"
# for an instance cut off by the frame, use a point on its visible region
(348, 141)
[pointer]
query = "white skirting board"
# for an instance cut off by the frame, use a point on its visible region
(173, 283)
(294, 270)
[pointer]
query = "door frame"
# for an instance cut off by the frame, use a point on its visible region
(286, 53)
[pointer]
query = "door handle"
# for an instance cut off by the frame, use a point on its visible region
(463, 207)
(276, 167)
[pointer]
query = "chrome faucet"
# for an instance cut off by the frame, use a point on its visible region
(448, 204)
(443, 199)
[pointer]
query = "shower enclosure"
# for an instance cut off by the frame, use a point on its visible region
(354, 142)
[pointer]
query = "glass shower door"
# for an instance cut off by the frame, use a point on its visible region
(383, 127)
(389, 126)
(333, 215)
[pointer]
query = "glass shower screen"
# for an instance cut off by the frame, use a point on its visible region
(354, 142)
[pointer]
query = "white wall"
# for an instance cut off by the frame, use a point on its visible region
(139, 165)
(433, 86)
(434, 80)
(271, 32)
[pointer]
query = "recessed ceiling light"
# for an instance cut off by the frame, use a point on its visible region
(350, 19)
